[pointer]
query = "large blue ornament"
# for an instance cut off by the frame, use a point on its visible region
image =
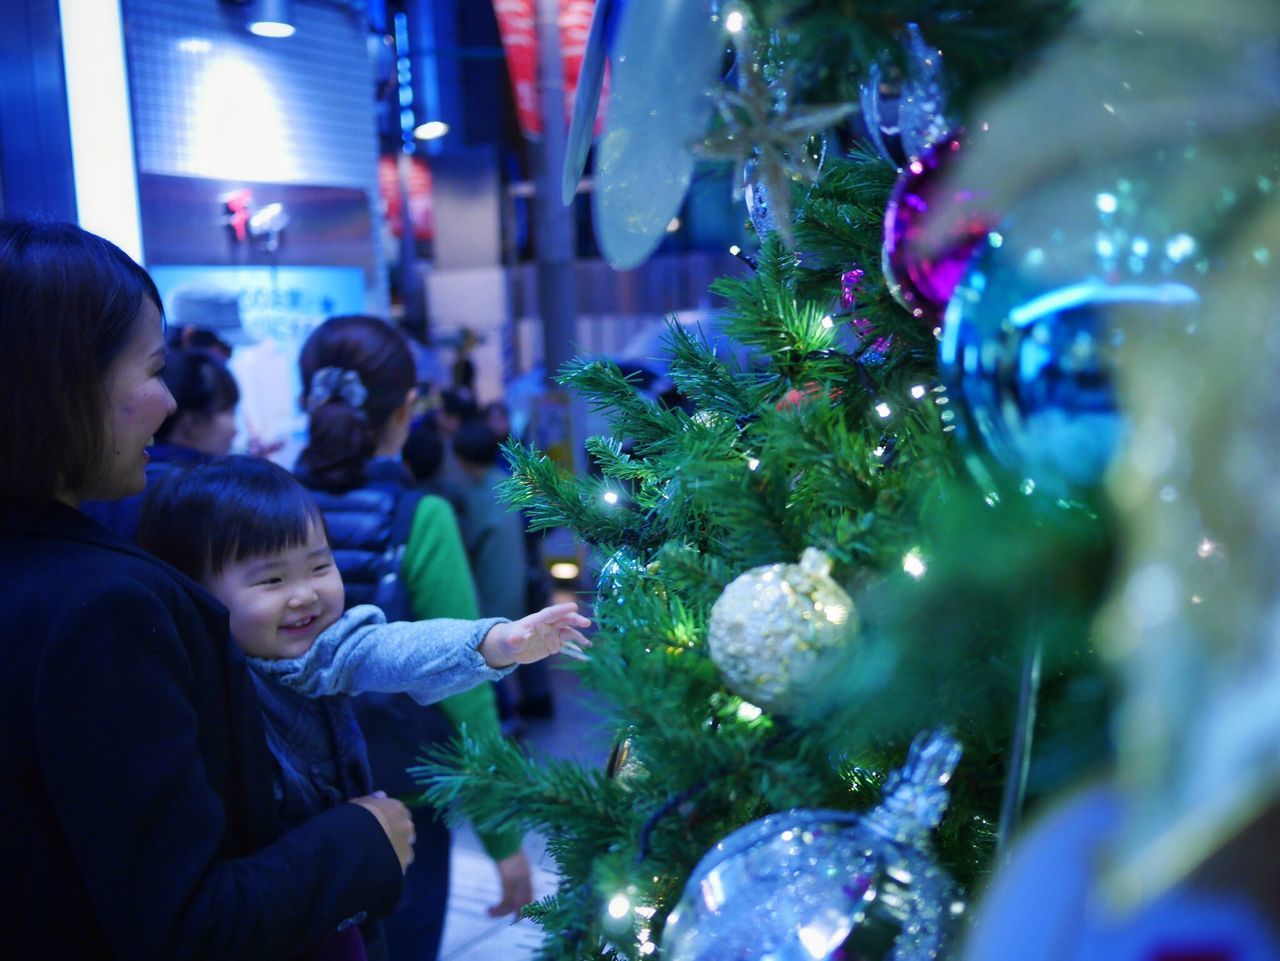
(586, 98)
(1049, 902)
(665, 62)
(811, 885)
(1035, 330)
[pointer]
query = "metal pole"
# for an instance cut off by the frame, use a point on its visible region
(1015, 785)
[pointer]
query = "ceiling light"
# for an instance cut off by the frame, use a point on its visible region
(270, 18)
(431, 130)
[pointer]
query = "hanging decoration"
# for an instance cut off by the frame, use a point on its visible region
(922, 279)
(872, 350)
(584, 119)
(756, 195)
(761, 128)
(808, 885)
(644, 161)
(909, 125)
(770, 625)
(1043, 315)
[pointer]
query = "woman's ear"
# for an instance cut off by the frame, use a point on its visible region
(405, 411)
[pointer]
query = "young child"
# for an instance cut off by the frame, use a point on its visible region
(248, 532)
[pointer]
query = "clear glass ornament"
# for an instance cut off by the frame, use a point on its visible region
(809, 885)
(756, 196)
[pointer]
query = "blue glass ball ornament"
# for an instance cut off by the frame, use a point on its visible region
(806, 885)
(1035, 331)
(586, 98)
(666, 58)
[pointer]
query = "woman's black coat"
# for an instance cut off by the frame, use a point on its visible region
(140, 821)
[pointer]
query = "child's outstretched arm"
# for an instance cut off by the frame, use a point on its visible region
(552, 630)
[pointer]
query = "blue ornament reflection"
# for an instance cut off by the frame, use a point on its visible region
(1037, 327)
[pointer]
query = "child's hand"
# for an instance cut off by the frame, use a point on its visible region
(552, 630)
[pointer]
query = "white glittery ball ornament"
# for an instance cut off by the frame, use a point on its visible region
(771, 624)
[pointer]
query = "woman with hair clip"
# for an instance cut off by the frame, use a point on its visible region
(140, 815)
(359, 390)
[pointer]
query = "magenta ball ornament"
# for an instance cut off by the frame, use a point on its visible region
(920, 279)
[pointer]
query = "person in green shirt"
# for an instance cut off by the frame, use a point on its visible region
(359, 389)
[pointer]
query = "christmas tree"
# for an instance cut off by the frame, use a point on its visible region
(855, 538)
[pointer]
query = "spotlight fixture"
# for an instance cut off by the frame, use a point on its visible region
(269, 18)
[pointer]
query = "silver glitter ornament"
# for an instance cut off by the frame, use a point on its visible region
(770, 625)
(809, 885)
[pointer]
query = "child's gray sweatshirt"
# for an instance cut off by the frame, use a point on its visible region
(362, 654)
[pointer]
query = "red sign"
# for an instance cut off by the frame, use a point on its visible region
(519, 28)
(420, 205)
(517, 22)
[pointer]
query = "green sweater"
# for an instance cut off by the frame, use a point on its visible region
(439, 583)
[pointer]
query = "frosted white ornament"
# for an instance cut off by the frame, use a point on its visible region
(771, 625)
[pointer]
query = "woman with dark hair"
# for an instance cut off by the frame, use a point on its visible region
(401, 550)
(202, 425)
(141, 818)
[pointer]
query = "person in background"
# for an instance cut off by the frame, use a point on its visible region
(498, 547)
(249, 533)
(202, 425)
(199, 338)
(138, 794)
(359, 390)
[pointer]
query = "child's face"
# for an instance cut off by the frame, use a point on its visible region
(280, 603)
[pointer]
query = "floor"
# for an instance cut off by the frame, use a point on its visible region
(470, 935)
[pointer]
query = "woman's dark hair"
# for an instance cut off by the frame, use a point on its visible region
(229, 509)
(343, 434)
(200, 384)
(424, 450)
(68, 305)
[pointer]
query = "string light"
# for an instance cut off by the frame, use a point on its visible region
(883, 409)
(610, 497)
(748, 711)
(619, 906)
(914, 564)
(917, 391)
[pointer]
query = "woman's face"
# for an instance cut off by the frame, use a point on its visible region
(137, 404)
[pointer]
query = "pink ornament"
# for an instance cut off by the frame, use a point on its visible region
(924, 282)
(850, 287)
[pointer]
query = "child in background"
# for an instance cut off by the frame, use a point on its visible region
(249, 533)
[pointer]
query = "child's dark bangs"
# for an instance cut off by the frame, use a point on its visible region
(261, 521)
